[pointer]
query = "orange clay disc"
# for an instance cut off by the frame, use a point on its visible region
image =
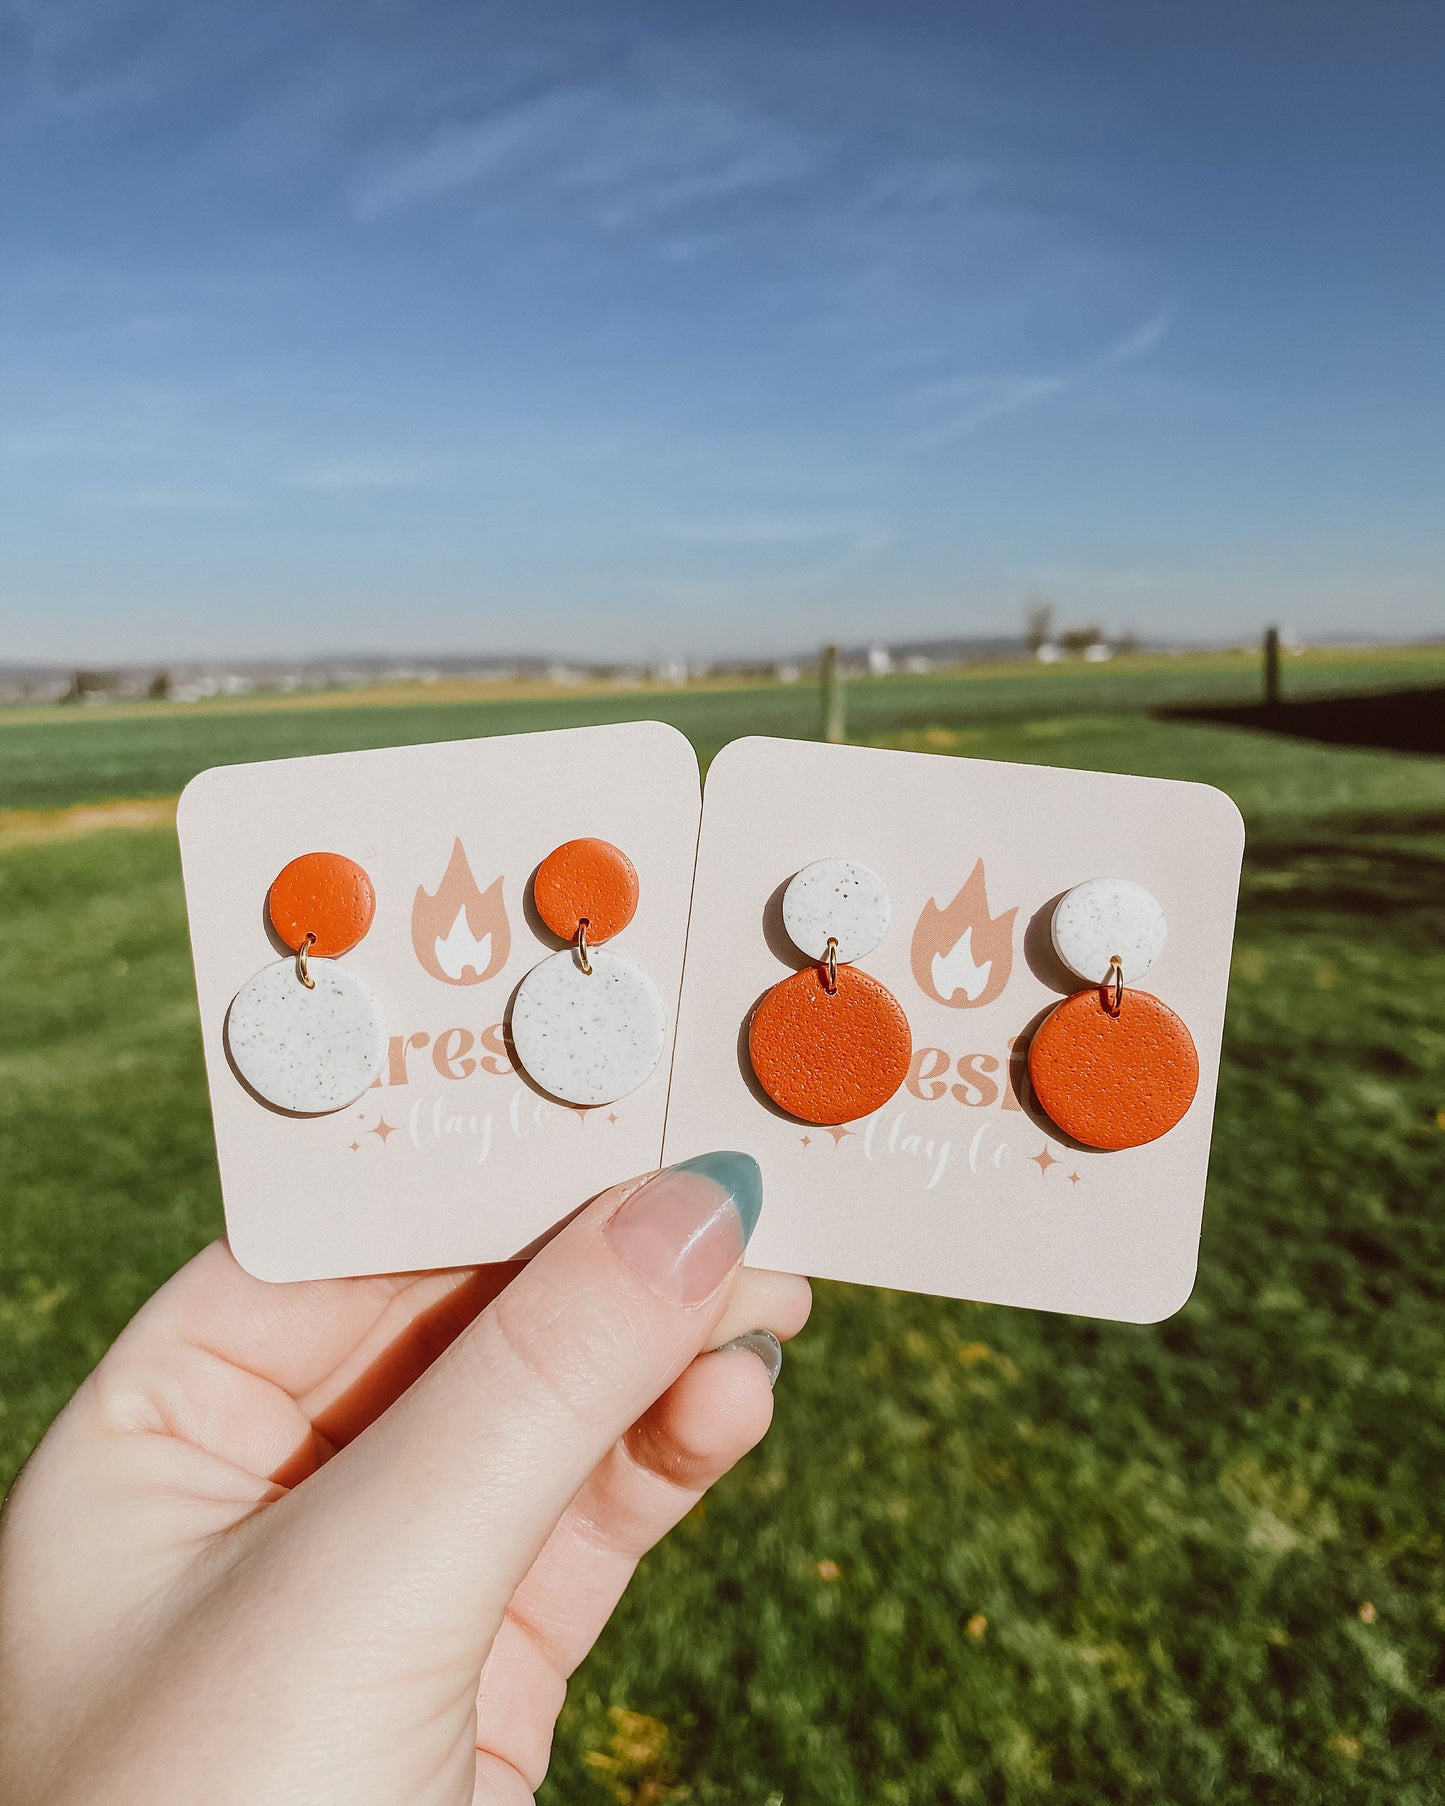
(586, 879)
(1114, 1081)
(830, 1059)
(325, 894)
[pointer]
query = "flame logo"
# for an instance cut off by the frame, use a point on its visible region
(459, 932)
(962, 956)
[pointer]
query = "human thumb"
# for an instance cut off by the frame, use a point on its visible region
(453, 1491)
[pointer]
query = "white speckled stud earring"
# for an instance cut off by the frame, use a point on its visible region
(587, 1027)
(305, 1034)
(1108, 919)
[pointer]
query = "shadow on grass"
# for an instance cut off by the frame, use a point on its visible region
(1356, 870)
(1398, 720)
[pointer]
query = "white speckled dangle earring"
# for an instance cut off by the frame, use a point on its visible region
(587, 1027)
(1113, 1066)
(832, 1043)
(305, 1034)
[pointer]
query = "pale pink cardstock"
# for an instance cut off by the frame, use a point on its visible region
(958, 1185)
(453, 1157)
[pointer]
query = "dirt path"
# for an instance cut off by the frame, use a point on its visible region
(19, 827)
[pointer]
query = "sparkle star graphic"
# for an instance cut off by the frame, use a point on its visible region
(355, 1147)
(838, 1134)
(807, 1141)
(1074, 1178)
(1043, 1160)
(382, 1129)
(612, 1116)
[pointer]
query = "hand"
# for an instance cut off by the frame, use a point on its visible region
(345, 1541)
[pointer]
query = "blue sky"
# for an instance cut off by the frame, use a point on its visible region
(638, 329)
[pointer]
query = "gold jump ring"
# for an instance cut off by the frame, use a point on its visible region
(582, 959)
(307, 943)
(830, 965)
(1115, 975)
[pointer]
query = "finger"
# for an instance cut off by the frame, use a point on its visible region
(398, 1349)
(707, 1421)
(764, 1300)
(422, 1320)
(291, 1335)
(273, 1378)
(648, 1482)
(454, 1491)
(241, 1369)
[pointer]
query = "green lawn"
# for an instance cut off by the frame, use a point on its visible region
(984, 1555)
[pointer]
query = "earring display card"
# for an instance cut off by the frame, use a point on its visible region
(959, 1185)
(452, 1156)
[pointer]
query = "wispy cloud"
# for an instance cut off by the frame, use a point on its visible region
(993, 398)
(350, 475)
(627, 156)
(978, 401)
(781, 529)
(1139, 343)
(86, 60)
(172, 499)
(462, 156)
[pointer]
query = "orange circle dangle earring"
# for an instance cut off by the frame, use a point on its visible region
(832, 1044)
(1114, 1067)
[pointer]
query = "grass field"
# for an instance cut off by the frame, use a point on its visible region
(985, 1556)
(53, 757)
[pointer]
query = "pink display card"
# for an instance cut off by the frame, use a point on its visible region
(958, 1185)
(453, 1157)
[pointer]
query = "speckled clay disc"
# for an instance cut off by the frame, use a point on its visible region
(588, 1040)
(325, 895)
(836, 897)
(1104, 917)
(309, 1051)
(1114, 1081)
(830, 1058)
(589, 879)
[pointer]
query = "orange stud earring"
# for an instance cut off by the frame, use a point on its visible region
(831, 1044)
(1113, 1066)
(306, 1034)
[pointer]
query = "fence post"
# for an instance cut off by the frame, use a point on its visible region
(1271, 667)
(830, 682)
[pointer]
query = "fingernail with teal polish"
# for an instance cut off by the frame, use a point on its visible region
(684, 1231)
(740, 1177)
(765, 1345)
